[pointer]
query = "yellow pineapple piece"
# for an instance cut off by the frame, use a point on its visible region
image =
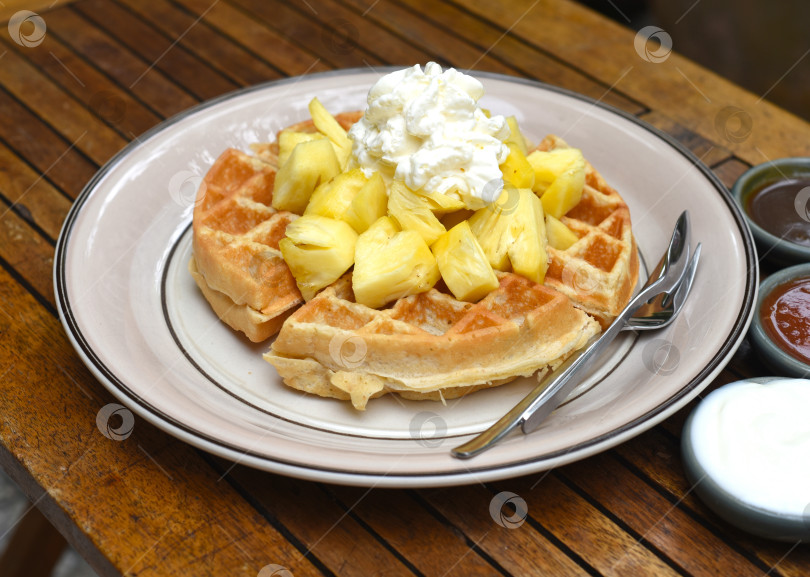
(559, 178)
(517, 170)
(318, 251)
(559, 236)
(490, 225)
(333, 198)
(548, 165)
(369, 204)
(412, 212)
(289, 139)
(516, 136)
(463, 265)
(391, 263)
(441, 204)
(331, 128)
(310, 164)
(512, 233)
(527, 252)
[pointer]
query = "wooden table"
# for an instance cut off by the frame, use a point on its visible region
(106, 71)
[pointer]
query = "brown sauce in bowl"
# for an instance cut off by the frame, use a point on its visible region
(785, 316)
(781, 209)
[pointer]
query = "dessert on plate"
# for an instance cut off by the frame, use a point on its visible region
(420, 247)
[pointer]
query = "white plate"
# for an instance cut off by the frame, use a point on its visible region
(140, 324)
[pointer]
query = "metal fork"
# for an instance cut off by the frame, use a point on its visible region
(665, 292)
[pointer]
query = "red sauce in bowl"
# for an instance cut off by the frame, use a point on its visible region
(785, 316)
(781, 209)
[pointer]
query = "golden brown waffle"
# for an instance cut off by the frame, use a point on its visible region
(426, 346)
(236, 261)
(598, 272)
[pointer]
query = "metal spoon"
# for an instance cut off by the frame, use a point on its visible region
(675, 270)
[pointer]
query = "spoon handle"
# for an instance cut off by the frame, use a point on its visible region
(558, 384)
(543, 399)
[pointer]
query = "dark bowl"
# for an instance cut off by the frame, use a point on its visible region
(776, 250)
(778, 360)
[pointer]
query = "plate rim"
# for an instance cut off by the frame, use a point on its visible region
(470, 474)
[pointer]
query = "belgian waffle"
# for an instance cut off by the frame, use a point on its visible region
(598, 272)
(426, 346)
(236, 261)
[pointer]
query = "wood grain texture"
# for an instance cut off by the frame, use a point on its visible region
(109, 70)
(145, 496)
(754, 129)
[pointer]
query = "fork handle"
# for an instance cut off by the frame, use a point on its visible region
(557, 385)
(542, 400)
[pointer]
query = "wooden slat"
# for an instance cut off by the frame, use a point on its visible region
(69, 118)
(99, 93)
(730, 171)
(143, 498)
(262, 42)
(350, 31)
(10, 7)
(158, 51)
(300, 24)
(525, 58)
(429, 545)
(50, 155)
(320, 523)
(658, 457)
(32, 195)
(675, 87)
(153, 88)
(521, 551)
(227, 57)
(444, 48)
(657, 520)
(575, 522)
(27, 252)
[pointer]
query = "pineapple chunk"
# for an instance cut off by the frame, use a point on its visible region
(463, 264)
(559, 236)
(441, 204)
(559, 179)
(310, 164)
(351, 197)
(490, 225)
(551, 164)
(514, 238)
(333, 198)
(527, 252)
(517, 169)
(318, 251)
(289, 139)
(516, 136)
(369, 204)
(331, 128)
(412, 212)
(391, 263)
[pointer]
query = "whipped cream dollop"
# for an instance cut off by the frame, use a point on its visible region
(426, 129)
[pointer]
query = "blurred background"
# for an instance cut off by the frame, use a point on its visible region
(762, 46)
